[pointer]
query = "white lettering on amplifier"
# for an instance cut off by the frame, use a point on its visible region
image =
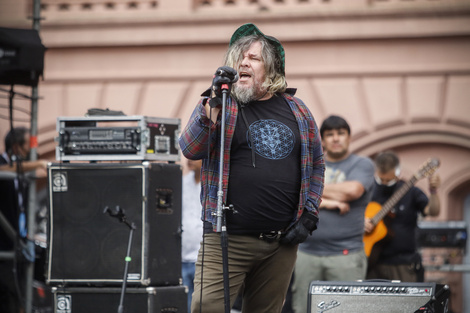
(323, 306)
(64, 304)
(133, 276)
(59, 182)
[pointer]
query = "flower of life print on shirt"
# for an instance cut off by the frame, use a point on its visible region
(272, 139)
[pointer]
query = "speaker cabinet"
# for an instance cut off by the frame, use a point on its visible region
(88, 246)
(375, 297)
(21, 56)
(171, 299)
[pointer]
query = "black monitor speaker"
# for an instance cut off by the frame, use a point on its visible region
(169, 299)
(21, 56)
(88, 246)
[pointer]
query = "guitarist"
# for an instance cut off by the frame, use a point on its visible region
(398, 258)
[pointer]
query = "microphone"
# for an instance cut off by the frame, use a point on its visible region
(227, 74)
(235, 79)
(116, 212)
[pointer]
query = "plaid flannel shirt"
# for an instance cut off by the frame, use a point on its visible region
(194, 142)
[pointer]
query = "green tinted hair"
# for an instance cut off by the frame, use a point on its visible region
(275, 80)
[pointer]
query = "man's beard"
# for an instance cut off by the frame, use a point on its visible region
(245, 95)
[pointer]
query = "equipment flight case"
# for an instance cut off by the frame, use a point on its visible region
(169, 299)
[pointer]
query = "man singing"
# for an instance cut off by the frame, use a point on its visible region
(272, 175)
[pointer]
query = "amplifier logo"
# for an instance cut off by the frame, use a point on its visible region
(59, 182)
(64, 304)
(324, 306)
(7, 53)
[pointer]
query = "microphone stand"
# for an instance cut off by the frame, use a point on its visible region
(119, 214)
(221, 226)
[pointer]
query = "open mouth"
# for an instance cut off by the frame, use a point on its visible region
(244, 76)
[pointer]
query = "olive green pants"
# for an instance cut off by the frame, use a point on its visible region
(258, 269)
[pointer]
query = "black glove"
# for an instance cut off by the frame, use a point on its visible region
(223, 75)
(301, 229)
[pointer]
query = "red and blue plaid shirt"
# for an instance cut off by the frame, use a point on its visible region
(195, 139)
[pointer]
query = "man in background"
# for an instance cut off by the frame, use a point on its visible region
(398, 258)
(13, 207)
(192, 224)
(335, 251)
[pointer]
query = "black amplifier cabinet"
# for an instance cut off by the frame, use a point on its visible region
(88, 246)
(101, 138)
(449, 234)
(375, 297)
(172, 299)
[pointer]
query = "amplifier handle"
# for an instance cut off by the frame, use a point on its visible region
(64, 139)
(135, 139)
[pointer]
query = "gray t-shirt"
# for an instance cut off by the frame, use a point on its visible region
(338, 234)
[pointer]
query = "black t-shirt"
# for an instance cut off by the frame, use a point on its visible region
(402, 226)
(265, 196)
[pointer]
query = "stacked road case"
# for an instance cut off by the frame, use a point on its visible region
(115, 213)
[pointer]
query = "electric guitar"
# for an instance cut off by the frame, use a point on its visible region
(376, 212)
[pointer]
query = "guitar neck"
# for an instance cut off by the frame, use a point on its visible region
(390, 203)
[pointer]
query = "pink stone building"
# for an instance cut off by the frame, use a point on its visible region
(398, 71)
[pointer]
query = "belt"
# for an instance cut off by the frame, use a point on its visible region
(271, 236)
